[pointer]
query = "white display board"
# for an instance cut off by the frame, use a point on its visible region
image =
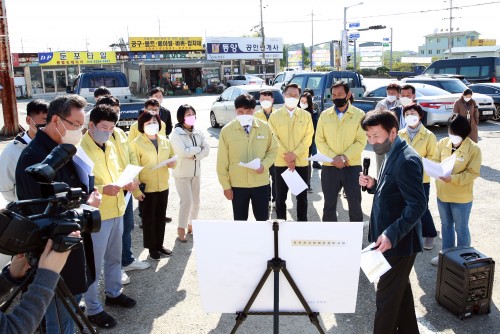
(322, 258)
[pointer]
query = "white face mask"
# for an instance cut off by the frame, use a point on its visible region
(456, 140)
(405, 101)
(391, 98)
(266, 104)
(245, 119)
(291, 102)
(152, 129)
(73, 137)
(467, 99)
(304, 105)
(412, 120)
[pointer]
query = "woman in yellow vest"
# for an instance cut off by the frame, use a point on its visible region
(151, 149)
(455, 192)
(424, 142)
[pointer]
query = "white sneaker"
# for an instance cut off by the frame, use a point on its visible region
(125, 278)
(137, 265)
(435, 261)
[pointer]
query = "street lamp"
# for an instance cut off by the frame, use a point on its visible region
(345, 40)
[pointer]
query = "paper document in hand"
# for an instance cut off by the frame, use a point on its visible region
(83, 166)
(373, 263)
(443, 169)
(294, 182)
(165, 162)
(319, 157)
(128, 175)
(254, 164)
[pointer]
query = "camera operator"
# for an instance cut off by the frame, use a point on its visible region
(64, 125)
(26, 316)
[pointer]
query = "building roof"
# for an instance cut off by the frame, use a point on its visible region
(454, 33)
(470, 49)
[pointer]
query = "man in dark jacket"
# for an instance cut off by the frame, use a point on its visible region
(65, 120)
(165, 116)
(395, 226)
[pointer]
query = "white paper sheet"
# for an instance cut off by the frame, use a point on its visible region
(319, 157)
(373, 263)
(128, 175)
(322, 257)
(165, 162)
(83, 166)
(443, 169)
(254, 164)
(294, 182)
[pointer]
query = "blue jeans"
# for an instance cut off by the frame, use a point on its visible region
(454, 218)
(51, 317)
(128, 226)
(107, 252)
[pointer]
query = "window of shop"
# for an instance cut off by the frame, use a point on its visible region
(36, 80)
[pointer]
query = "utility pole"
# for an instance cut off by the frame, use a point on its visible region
(8, 92)
(263, 43)
(450, 36)
(312, 37)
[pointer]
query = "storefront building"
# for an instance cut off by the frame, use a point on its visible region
(244, 55)
(176, 64)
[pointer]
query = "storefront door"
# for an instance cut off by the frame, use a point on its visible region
(54, 80)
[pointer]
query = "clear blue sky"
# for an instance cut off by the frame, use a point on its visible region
(36, 26)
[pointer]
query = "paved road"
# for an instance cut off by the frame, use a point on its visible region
(168, 295)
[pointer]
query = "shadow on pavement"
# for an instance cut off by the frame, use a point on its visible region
(489, 174)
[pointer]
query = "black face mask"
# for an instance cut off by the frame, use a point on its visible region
(39, 126)
(339, 103)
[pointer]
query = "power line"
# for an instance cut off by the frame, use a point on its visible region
(391, 14)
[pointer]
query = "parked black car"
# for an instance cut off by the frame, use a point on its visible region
(492, 90)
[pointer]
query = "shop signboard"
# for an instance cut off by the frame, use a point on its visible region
(76, 58)
(228, 48)
(165, 43)
(321, 57)
(160, 56)
(24, 59)
(371, 55)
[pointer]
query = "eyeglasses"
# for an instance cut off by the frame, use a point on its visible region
(75, 126)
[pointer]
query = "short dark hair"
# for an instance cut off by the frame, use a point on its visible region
(467, 91)
(245, 101)
(415, 107)
(108, 100)
(62, 105)
(155, 90)
(292, 85)
(103, 112)
(309, 90)
(266, 92)
(146, 116)
(393, 86)
(152, 102)
(459, 125)
(405, 87)
(101, 91)
(181, 112)
(386, 119)
(36, 107)
(340, 83)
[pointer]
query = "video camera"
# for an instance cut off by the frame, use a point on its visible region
(21, 233)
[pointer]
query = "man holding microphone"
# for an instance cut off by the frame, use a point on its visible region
(399, 202)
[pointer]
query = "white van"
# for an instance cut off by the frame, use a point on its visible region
(283, 78)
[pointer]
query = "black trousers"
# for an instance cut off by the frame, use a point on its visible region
(282, 192)
(272, 185)
(395, 308)
(153, 219)
(428, 227)
(332, 180)
(259, 198)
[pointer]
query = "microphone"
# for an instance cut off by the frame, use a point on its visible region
(366, 166)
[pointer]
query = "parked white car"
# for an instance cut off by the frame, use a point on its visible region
(239, 80)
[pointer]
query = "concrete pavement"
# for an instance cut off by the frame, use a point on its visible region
(167, 294)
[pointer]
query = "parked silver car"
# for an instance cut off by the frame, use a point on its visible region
(246, 79)
(437, 102)
(223, 110)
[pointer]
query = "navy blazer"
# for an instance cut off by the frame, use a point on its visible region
(399, 201)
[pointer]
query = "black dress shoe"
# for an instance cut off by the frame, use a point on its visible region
(121, 300)
(102, 320)
(168, 219)
(164, 251)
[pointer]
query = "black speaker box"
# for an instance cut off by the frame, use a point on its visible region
(464, 281)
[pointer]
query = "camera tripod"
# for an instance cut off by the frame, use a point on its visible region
(63, 295)
(277, 265)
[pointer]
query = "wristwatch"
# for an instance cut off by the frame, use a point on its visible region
(342, 157)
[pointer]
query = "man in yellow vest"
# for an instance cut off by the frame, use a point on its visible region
(244, 140)
(108, 241)
(339, 136)
(293, 129)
